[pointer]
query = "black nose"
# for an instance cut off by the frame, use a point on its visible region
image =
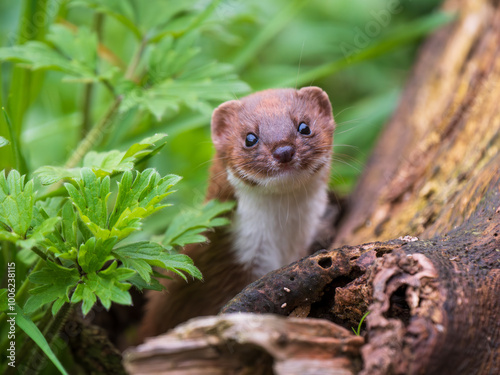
(284, 154)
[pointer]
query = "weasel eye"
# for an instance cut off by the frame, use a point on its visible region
(251, 140)
(304, 129)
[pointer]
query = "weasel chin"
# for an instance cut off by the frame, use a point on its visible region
(282, 181)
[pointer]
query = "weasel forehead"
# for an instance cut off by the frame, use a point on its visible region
(270, 115)
(276, 102)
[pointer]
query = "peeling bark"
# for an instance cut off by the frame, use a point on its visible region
(249, 344)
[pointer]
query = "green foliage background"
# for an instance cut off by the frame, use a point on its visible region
(270, 44)
(100, 75)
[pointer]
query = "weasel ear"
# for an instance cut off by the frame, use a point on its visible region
(318, 96)
(222, 121)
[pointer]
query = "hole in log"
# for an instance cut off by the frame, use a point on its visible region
(381, 251)
(325, 262)
(323, 309)
(399, 309)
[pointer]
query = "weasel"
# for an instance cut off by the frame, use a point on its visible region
(273, 156)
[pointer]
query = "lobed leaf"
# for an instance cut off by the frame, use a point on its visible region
(94, 253)
(106, 286)
(49, 174)
(55, 281)
(39, 233)
(188, 226)
(74, 53)
(90, 196)
(138, 198)
(120, 10)
(16, 203)
(140, 256)
(177, 76)
(105, 163)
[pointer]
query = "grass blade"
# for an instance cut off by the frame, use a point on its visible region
(20, 163)
(34, 333)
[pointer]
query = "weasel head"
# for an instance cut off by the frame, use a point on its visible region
(275, 140)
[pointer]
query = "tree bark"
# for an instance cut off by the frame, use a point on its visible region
(428, 210)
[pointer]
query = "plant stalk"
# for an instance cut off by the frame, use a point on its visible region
(93, 137)
(90, 87)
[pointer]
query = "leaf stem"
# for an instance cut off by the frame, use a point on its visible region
(136, 59)
(93, 137)
(39, 252)
(90, 87)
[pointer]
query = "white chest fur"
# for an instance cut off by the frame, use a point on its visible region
(274, 229)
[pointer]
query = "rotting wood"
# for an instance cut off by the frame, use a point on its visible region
(249, 344)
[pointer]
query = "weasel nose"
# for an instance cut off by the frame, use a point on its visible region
(284, 154)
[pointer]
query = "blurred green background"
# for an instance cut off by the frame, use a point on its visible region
(360, 52)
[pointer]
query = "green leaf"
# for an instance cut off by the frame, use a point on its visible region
(3, 300)
(90, 198)
(37, 236)
(19, 160)
(140, 255)
(37, 55)
(79, 46)
(176, 17)
(34, 333)
(178, 76)
(138, 198)
(180, 262)
(120, 10)
(94, 253)
(107, 287)
(146, 148)
(3, 142)
(74, 53)
(16, 203)
(69, 224)
(55, 282)
(105, 163)
(49, 174)
(138, 282)
(63, 240)
(188, 226)
(8, 236)
(82, 292)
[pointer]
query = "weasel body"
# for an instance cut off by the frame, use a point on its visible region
(273, 155)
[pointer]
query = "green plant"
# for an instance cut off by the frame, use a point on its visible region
(79, 239)
(357, 332)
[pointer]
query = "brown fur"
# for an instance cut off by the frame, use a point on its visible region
(273, 115)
